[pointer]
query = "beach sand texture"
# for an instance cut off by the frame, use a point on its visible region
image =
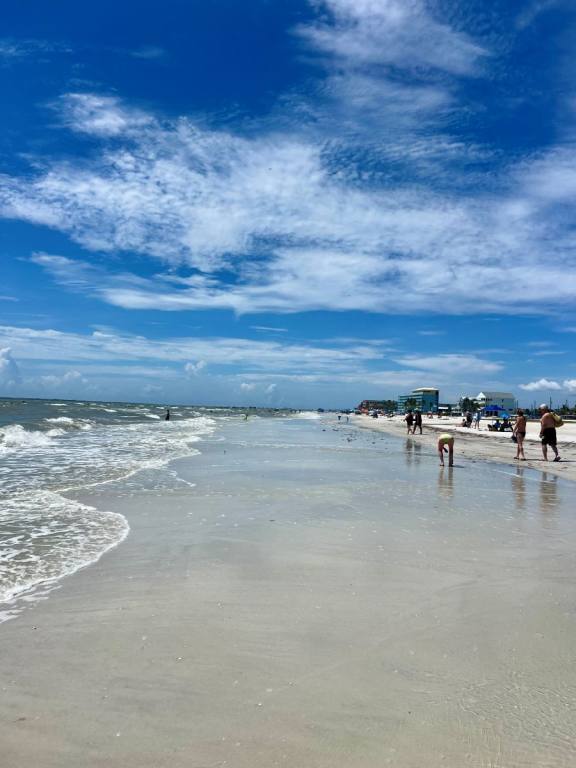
(322, 597)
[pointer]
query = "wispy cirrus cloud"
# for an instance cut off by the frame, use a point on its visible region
(108, 355)
(393, 32)
(292, 217)
(451, 363)
(12, 49)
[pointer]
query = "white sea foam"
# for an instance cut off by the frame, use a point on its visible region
(60, 420)
(15, 438)
(45, 536)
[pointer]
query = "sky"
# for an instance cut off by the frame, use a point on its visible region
(292, 203)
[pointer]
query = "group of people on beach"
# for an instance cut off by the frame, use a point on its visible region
(413, 422)
(548, 423)
(548, 437)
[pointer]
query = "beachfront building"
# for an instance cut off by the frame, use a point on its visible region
(422, 399)
(504, 400)
(375, 405)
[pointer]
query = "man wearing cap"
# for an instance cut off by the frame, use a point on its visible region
(548, 432)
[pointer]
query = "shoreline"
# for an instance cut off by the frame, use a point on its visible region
(301, 596)
(484, 445)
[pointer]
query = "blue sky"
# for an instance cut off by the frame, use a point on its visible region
(287, 202)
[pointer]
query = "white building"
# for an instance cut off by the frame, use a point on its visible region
(505, 400)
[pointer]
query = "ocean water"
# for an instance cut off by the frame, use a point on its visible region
(50, 447)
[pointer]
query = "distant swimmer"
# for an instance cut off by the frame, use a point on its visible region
(167, 417)
(446, 443)
(245, 417)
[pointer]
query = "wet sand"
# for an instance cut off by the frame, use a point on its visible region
(319, 599)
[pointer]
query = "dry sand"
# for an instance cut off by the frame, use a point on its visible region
(334, 602)
(488, 446)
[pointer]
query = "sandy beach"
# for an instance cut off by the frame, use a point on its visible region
(483, 445)
(312, 595)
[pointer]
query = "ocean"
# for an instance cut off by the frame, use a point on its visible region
(51, 447)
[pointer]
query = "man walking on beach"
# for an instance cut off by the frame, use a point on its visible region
(548, 432)
(477, 417)
(409, 419)
(417, 422)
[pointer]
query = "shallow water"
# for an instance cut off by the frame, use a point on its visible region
(50, 447)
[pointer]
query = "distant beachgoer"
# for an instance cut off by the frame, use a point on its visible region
(167, 417)
(477, 418)
(409, 419)
(519, 433)
(446, 443)
(339, 417)
(548, 432)
(468, 418)
(417, 422)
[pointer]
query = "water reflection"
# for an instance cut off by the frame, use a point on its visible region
(548, 497)
(413, 451)
(519, 489)
(446, 482)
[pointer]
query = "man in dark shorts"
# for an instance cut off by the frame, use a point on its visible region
(417, 422)
(548, 432)
(409, 419)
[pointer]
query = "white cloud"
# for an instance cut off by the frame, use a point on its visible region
(392, 32)
(9, 371)
(70, 380)
(103, 116)
(123, 364)
(334, 207)
(149, 52)
(541, 385)
(123, 349)
(298, 237)
(451, 363)
(19, 48)
(533, 10)
(569, 384)
(193, 369)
